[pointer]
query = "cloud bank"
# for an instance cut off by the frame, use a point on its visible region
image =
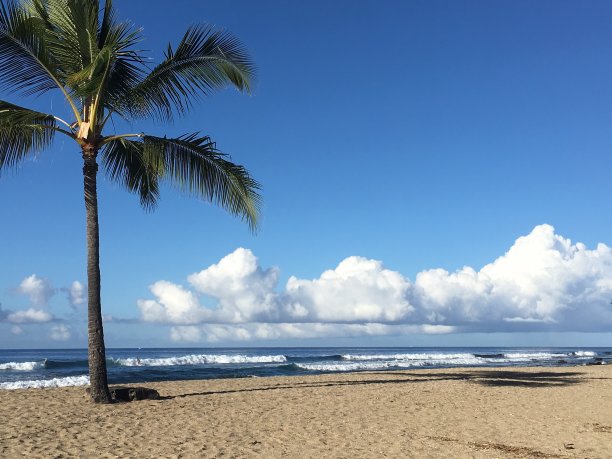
(543, 282)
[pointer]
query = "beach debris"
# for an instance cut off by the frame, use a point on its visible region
(130, 394)
(569, 446)
(597, 427)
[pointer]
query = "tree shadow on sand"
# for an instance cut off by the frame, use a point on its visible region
(515, 378)
(491, 378)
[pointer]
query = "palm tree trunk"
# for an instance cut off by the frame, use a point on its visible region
(97, 355)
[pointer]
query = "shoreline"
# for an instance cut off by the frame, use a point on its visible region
(501, 412)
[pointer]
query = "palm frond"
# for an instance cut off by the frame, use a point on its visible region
(71, 28)
(108, 19)
(91, 50)
(37, 8)
(124, 163)
(194, 165)
(14, 114)
(191, 163)
(121, 36)
(87, 80)
(84, 19)
(123, 76)
(127, 65)
(26, 64)
(22, 132)
(205, 60)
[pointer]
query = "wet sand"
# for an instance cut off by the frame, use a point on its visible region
(481, 413)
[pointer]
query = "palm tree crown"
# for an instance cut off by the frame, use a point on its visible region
(79, 48)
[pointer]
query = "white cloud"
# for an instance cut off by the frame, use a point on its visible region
(358, 290)
(38, 290)
(174, 304)
(75, 293)
(60, 332)
(214, 333)
(244, 290)
(543, 279)
(29, 316)
(16, 330)
(543, 282)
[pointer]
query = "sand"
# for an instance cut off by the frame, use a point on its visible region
(480, 413)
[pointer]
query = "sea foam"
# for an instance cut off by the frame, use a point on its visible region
(200, 359)
(410, 356)
(377, 362)
(82, 380)
(513, 356)
(583, 354)
(352, 366)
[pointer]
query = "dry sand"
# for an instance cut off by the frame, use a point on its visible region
(481, 413)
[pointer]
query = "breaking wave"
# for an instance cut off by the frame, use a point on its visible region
(584, 354)
(353, 366)
(465, 359)
(380, 364)
(534, 355)
(82, 380)
(22, 366)
(411, 356)
(20, 370)
(200, 359)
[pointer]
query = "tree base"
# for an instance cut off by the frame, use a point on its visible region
(130, 394)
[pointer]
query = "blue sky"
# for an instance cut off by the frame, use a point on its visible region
(422, 135)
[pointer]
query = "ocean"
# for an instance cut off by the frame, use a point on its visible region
(68, 367)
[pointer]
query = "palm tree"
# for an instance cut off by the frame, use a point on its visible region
(78, 48)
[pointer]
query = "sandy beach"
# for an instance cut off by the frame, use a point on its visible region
(499, 413)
